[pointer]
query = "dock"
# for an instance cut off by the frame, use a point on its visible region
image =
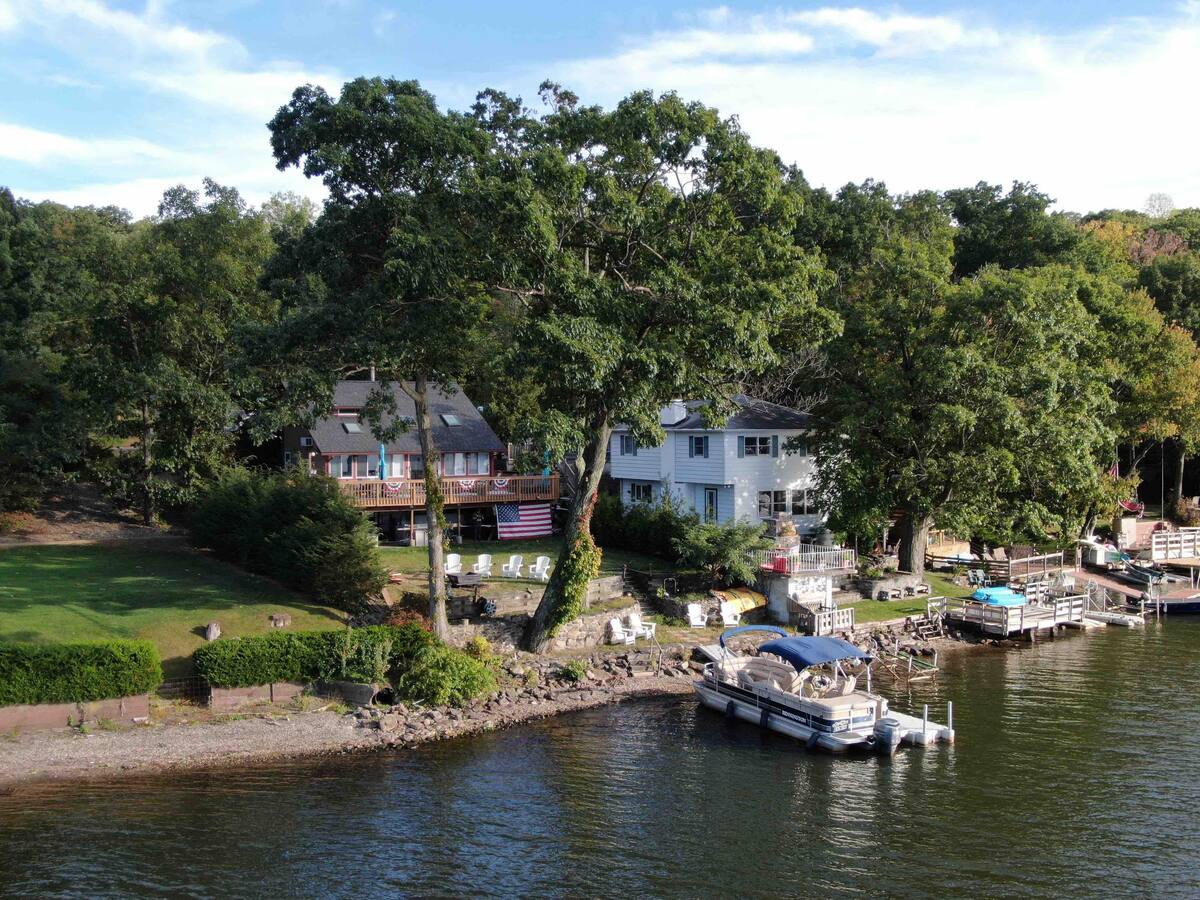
(1045, 614)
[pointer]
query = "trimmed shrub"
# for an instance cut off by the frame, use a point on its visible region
(77, 673)
(724, 552)
(373, 654)
(442, 676)
(299, 529)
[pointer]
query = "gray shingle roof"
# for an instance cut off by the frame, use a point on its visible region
(474, 434)
(751, 415)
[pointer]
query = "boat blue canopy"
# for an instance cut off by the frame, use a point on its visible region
(803, 652)
(730, 632)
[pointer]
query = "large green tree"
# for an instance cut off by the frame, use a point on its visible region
(157, 367)
(389, 276)
(946, 400)
(661, 265)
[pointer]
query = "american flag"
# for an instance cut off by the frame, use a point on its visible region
(522, 520)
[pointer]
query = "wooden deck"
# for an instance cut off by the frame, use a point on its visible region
(481, 490)
(1009, 620)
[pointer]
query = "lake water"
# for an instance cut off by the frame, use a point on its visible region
(1077, 771)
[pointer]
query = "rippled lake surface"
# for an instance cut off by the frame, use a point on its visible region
(1076, 772)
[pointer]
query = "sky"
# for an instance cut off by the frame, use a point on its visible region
(108, 102)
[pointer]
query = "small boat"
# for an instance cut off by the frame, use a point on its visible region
(1140, 573)
(807, 688)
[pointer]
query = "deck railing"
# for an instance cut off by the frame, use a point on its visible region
(403, 493)
(1181, 544)
(823, 622)
(805, 560)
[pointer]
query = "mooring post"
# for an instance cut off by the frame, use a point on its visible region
(924, 722)
(950, 714)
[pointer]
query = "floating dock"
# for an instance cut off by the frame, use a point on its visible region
(1006, 621)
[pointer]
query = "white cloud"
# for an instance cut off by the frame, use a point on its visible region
(31, 145)
(896, 33)
(1092, 116)
(149, 49)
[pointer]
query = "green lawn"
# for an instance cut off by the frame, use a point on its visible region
(414, 560)
(883, 610)
(168, 596)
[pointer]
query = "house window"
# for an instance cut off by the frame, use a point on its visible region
(479, 464)
(799, 447)
(373, 465)
(772, 503)
(710, 504)
(352, 427)
(416, 465)
(758, 446)
(347, 466)
(641, 493)
(803, 504)
(306, 441)
(628, 445)
(698, 445)
(287, 458)
(465, 464)
(451, 421)
(351, 411)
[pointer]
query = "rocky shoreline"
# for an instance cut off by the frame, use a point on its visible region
(275, 734)
(532, 687)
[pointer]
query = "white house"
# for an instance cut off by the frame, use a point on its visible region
(746, 470)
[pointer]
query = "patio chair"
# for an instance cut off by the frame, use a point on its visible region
(619, 634)
(696, 616)
(512, 568)
(453, 564)
(483, 566)
(540, 570)
(639, 628)
(729, 616)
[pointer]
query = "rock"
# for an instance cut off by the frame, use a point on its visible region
(281, 620)
(390, 722)
(213, 631)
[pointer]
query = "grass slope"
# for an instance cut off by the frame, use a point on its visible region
(415, 560)
(883, 610)
(168, 596)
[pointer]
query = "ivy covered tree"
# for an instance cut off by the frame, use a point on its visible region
(660, 265)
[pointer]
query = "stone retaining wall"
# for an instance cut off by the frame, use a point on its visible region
(590, 630)
(62, 715)
(228, 699)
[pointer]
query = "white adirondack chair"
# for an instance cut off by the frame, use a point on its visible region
(639, 628)
(512, 568)
(729, 616)
(619, 634)
(540, 570)
(483, 566)
(696, 616)
(453, 564)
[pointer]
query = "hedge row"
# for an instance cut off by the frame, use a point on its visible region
(77, 673)
(358, 654)
(415, 663)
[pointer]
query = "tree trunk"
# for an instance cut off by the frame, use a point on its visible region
(147, 466)
(914, 540)
(1175, 479)
(434, 511)
(589, 470)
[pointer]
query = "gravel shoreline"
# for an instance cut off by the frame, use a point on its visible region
(63, 755)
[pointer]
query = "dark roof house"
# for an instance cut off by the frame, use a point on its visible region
(457, 425)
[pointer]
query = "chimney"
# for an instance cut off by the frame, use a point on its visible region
(673, 413)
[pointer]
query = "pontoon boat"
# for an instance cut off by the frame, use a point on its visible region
(807, 688)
